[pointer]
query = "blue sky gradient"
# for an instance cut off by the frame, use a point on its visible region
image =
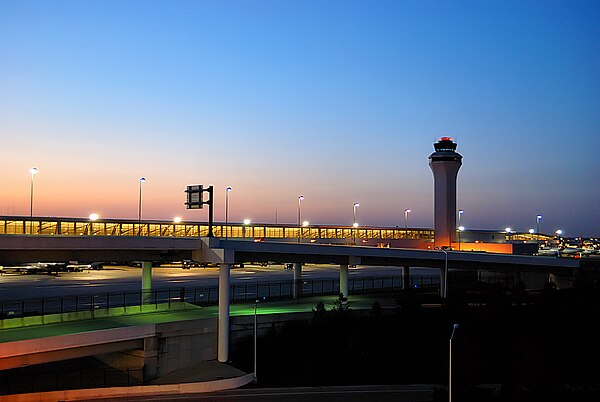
(337, 100)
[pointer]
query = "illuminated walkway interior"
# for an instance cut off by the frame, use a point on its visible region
(50, 226)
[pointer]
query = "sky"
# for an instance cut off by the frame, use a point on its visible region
(338, 101)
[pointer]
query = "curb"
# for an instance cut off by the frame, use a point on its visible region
(138, 390)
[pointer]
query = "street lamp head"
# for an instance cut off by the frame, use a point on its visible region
(94, 217)
(531, 231)
(407, 210)
(33, 171)
(228, 189)
(461, 228)
(508, 230)
(177, 219)
(301, 197)
(455, 326)
(356, 204)
(539, 217)
(559, 232)
(142, 179)
(355, 224)
(247, 221)
(461, 211)
(305, 223)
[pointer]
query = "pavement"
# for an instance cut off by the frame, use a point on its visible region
(205, 371)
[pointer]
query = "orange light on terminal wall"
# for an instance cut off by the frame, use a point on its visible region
(446, 139)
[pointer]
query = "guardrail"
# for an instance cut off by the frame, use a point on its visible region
(203, 296)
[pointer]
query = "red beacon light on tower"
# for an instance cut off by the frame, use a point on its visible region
(445, 144)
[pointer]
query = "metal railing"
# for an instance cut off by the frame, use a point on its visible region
(162, 299)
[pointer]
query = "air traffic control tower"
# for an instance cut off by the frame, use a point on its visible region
(444, 163)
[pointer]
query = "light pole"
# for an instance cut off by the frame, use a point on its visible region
(93, 217)
(460, 212)
(406, 212)
(33, 172)
(445, 293)
(142, 180)
(538, 218)
(256, 335)
(354, 223)
(454, 327)
(255, 338)
(227, 191)
(246, 223)
(300, 198)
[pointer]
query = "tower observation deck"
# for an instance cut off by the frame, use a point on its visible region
(445, 163)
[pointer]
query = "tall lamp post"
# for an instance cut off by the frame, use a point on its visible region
(406, 212)
(538, 218)
(354, 223)
(445, 293)
(142, 180)
(33, 172)
(227, 191)
(454, 327)
(300, 198)
(460, 212)
(256, 335)
(255, 338)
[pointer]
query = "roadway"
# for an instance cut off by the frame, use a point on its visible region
(115, 279)
(362, 393)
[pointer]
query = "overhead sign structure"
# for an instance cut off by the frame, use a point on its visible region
(195, 200)
(195, 197)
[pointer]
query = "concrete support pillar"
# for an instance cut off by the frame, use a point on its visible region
(443, 290)
(150, 358)
(297, 280)
(224, 298)
(146, 282)
(344, 279)
(405, 277)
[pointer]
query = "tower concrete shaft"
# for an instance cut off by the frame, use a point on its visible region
(445, 163)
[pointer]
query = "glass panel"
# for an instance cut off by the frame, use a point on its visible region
(274, 232)
(111, 229)
(179, 230)
(48, 228)
(153, 229)
(291, 233)
(127, 229)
